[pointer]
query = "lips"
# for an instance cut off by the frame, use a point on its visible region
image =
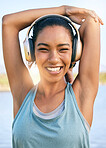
(54, 69)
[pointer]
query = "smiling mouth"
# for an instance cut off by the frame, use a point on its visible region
(54, 69)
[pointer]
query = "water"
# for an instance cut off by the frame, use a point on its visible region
(98, 130)
(97, 133)
(6, 119)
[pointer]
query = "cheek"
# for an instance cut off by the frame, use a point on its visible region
(40, 58)
(67, 59)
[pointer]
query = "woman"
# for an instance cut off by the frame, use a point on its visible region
(53, 113)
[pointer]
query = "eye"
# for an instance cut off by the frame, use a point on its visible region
(43, 49)
(63, 49)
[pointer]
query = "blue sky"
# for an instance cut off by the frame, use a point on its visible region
(11, 6)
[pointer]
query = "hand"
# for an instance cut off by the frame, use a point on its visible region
(69, 76)
(78, 15)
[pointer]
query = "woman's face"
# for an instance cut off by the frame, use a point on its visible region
(53, 49)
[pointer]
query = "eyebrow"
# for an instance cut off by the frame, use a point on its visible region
(65, 44)
(43, 44)
(59, 45)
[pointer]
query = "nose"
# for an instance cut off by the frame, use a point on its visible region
(53, 57)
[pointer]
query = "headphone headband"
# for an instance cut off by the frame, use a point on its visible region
(53, 15)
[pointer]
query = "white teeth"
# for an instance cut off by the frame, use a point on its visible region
(53, 69)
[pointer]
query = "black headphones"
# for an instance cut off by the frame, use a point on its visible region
(76, 45)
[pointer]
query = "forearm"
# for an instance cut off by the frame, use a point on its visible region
(23, 19)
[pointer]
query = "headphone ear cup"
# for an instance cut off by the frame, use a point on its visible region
(27, 49)
(76, 51)
(74, 48)
(32, 51)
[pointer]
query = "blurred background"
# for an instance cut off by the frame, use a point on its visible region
(98, 129)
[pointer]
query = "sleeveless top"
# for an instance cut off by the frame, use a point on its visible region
(56, 112)
(67, 130)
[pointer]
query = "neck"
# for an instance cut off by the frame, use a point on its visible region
(49, 89)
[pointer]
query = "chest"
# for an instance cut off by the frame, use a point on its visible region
(62, 132)
(50, 103)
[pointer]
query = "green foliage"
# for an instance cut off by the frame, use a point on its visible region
(102, 78)
(4, 80)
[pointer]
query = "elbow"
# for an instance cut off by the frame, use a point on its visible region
(5, 20)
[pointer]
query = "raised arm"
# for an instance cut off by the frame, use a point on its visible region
(18, 75)
(86, 84)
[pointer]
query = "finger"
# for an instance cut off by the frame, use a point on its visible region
(96, 17)
(92, 13)
(100, 21)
